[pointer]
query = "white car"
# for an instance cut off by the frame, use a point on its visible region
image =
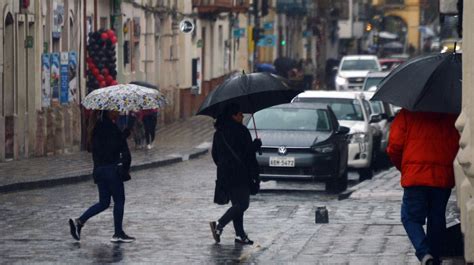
(352, 110)
(353, 69)
(386, 114)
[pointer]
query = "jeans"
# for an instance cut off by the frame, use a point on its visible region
(240, 199)
(149, 122)
(419, 204)
(109, 185)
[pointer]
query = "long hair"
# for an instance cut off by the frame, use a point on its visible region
(91, 123)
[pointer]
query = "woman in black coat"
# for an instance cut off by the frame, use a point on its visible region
(109, 149)
(234, 154)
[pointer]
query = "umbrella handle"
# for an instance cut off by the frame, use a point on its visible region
(254, 127)
(256, 134)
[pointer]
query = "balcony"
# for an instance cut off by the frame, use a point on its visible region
(241, 6)
(213, 6)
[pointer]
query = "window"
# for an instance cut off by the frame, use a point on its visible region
(344, 109)
(342, 9)
(356, 65)
(291, 119)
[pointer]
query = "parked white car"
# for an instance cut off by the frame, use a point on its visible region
(386, 114)
(353, 69)
(352, 110)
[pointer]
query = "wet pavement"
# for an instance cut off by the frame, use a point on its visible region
(168, 210)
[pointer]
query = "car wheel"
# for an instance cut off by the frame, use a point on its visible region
(365, 173)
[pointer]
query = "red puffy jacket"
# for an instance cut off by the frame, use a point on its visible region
(423, 145)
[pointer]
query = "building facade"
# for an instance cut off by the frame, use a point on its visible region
(464, 168)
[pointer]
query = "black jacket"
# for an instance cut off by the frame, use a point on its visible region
(231, 171)
(109, 145)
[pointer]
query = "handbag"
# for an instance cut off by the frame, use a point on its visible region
(254, 184)
(221, 196)
(123, 174)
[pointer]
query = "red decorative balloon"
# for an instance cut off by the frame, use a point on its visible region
(109, 79)
(113, 39)
(100, 78)
(89, 60)
(91, 65)
(96, 72)
(104, 36)
(105, 72)
(102, 84)
(110, 33)
(114, 83)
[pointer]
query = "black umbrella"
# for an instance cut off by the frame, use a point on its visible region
(429, 83)
(252, 92)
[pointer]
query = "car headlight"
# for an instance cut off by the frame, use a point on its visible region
(323, 149)
(341, 80)
(359, 138)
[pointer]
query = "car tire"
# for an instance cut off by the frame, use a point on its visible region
(337, 185)
(365, 173)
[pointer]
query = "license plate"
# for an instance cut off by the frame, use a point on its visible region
(282, 162)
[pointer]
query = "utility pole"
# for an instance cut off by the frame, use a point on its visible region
(256, 33)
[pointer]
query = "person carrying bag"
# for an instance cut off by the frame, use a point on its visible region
(234, 153)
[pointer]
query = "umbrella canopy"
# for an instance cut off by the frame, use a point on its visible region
(124, 97)
(143, 83)
(252, 92)
(429, 83)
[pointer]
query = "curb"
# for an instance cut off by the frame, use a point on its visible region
(46, 183)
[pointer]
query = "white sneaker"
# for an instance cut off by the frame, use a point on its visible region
(427, 259)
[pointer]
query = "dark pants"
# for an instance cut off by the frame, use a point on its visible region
(240, 199)
(149, 122)
(308, 82)
(419, 204)
(109, 185)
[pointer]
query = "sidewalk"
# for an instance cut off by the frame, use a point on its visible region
(174, 143)
(364, 228)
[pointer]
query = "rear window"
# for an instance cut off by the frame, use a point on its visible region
(291, 119)
(359, 65)
(345, 109)
(372, 81)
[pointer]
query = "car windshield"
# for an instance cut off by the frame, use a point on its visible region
(371, 81)
(291, 119)
(345, 109)
(359, 65)
(376, 106)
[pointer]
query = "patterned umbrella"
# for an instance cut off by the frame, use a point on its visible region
(124, 97)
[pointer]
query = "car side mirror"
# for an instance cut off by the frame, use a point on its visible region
(343, 130)
(374, 118)
(390, 119)
(384, 67)
(384, 116)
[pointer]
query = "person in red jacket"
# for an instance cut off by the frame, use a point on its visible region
(423, 145)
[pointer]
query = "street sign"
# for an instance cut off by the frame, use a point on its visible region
(239, 32)
(268, 25)
(267, 41)
(186, 26)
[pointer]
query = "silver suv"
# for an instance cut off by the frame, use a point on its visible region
(353, 69)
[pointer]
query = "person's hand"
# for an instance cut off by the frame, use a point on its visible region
(257, 143)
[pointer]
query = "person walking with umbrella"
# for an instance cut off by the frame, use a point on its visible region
(234, 153)
(110, 152)
(109, 149)
(423, 144)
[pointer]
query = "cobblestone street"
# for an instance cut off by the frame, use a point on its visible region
(168, 210)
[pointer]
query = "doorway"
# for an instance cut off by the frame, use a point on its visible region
(8, 86)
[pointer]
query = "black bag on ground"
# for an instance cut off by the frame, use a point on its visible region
(221, 196)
